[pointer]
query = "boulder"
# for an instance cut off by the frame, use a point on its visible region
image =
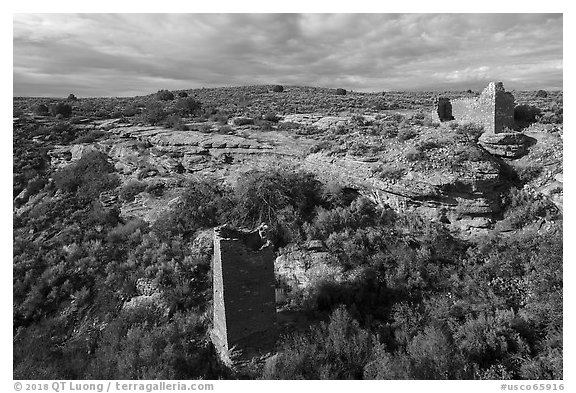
(300, 269)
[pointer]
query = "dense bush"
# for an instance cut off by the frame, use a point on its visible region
(154, 113)
(164, 95)
(188, 106)
(526, 113)
(522, 208)
(131, 111)
(278, 88)
(203, 204)
(275, 197)
(41, 110)
(60, 109)
(541, 94)
(62, 132)
(340, 92)
(271, 117)
(182, 94)
(407, 133)
(90, 136)
(88, 177)
(72, 97)
(175, 122)
(341, 348)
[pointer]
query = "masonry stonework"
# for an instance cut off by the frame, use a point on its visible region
(244, 287)
(494, 109)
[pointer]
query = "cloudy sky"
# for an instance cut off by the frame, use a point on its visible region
(136, 54)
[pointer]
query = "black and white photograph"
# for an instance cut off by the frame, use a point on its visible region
(287, 196)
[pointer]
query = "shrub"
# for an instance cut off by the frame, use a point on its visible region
(182, 94)
(41, 110)
(262, 196)
(405, 134)
(131, 189)
(340, 92)
(428, 145)
(471, 131)
(154, 113)
(188, 106)
(542, 94)
(264, 125)
(224, 129)
(72, 97)
(204, 204)
(62, 132)
(551, 118)
(339, 349)
(526, 113)
(390, 172)
(523, 208)
(205, 128)
(324, 145)
(90, 136)
(219, 117)
(88, 177)
(529, 172)
(35, 185)
(175, 122)
(415, 155)
(164, 95)
(60, 109)
(270, 116)
(278, 89)
(468, 153)
(388, 129)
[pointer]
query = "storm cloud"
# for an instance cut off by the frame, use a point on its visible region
(135, 54)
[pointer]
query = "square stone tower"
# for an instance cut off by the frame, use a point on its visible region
(244, 287)
(494, 109)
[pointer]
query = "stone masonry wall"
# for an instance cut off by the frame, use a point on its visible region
(244, 286)
(494, 109)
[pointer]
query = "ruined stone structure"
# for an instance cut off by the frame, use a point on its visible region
(445, 109)
(244, 287)
(494, 109)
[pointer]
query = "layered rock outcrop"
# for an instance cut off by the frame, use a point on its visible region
(505, 144)
(464, 196)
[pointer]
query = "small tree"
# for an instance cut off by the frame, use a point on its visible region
(278, 89)
(340, 92)
(154, 113)
(165, 95)
(72, 97)
(188, 106)
(182, 94)
(542, 93)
